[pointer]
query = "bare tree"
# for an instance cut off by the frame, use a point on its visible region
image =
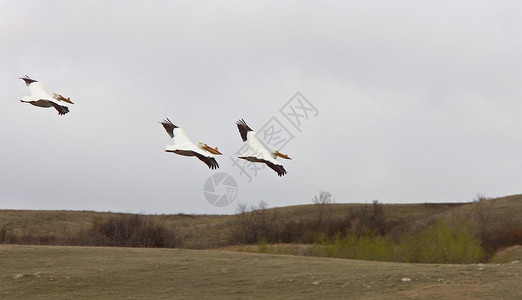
(240, 233)
(367, 218)
(262, 205)
(241, 208)
(261, 211)
(483, 214)
(253, 224)
(322, 203)
(378, 218)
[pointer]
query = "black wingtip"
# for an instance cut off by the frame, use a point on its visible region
(169, 127)
(242, 122)
(243, 129)
(62, 110)
(213, 164)
(166, 121)
(279, 169)
(281, 172)
(28, 80)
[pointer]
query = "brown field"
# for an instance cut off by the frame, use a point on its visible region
(213, 231)
(58, 272)
(62, 272)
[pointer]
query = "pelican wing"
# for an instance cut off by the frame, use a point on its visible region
(37, 92)
(28, 80)
(182, 145)
(243, 129)
(280, 170)
(210, 161)
(62, 110)
(169, 127)
(256, 151)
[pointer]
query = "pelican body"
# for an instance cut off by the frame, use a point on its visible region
(257, 152)
(182, 145)
(38, 96)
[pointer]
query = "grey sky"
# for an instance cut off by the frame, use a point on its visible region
(419, 101)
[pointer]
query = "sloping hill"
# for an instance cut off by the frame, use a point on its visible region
(196, 231)
(484, 217)
(213, 231)
(508, 255)
(37, 226)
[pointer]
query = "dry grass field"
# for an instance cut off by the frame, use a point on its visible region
(72, 272)
(65, 272)
(61, 272)
(196, 231)
(213, 231)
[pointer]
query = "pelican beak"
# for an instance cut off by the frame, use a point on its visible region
(68, 100)
(62, 98)
(282, 155)
(216, 151)
(212, 150)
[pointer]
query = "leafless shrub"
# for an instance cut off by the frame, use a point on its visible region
(322, 203)
(128, 231)
(483, 216)
(253, 225)
(368, 219)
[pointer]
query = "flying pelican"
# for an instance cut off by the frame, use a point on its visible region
(38, 96)
(257, 152)
(184, 146)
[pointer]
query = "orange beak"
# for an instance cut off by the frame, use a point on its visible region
(62, 98)
(282, 155)
(212, 150)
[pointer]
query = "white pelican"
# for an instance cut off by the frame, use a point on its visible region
(38, 96)
(257, 152)
(184, 146)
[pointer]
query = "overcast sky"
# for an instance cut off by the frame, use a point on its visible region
(402, 101)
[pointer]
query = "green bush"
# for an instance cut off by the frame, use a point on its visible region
(440, 244)
(366, 247)
(264, 247)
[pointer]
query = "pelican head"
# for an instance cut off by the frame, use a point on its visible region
(277, 153)
(62, 98)
(209, 149)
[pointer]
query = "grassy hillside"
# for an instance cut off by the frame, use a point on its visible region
(47, 272)
(196, 231)
(507, 255)
(494, 212)
(495, 222)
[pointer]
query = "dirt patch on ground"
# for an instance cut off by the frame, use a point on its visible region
(45, 272)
